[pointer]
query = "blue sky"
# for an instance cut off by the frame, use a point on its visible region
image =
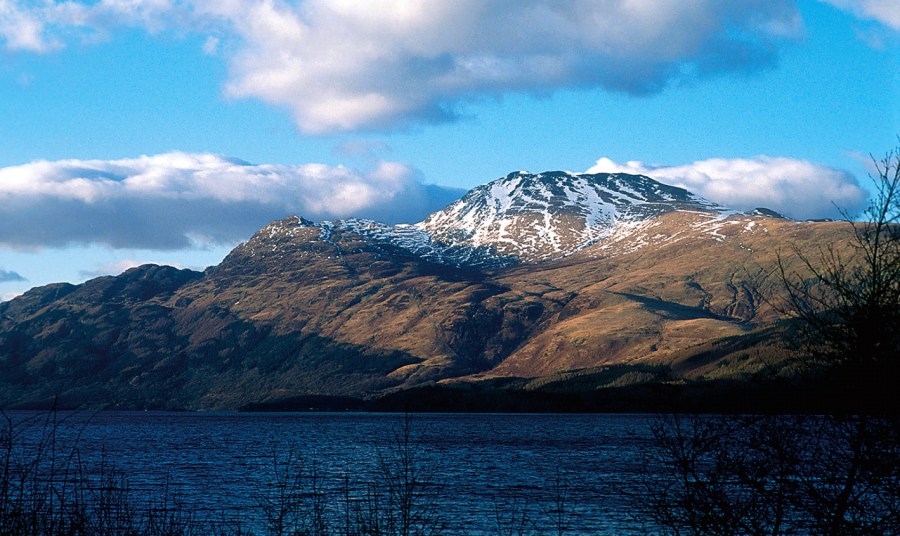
(167, 131)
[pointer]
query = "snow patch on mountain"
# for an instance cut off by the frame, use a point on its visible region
(420, 243)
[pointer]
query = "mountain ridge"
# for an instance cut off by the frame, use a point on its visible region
(362, 309)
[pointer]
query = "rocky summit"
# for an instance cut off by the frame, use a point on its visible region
(548, 282)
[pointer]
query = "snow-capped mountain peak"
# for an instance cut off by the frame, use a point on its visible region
(535, 217)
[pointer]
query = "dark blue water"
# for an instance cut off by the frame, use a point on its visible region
(477, 473)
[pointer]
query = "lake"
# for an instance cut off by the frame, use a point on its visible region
(477, 473)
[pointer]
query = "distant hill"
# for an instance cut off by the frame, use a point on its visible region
(552, 282)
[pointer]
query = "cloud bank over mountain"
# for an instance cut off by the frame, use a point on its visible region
(796, 188)
(180, 200)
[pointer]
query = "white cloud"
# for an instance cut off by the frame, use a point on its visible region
(177, 200)
(341, 65)
(22, 29)
(796, 188)
(106, 16)
(887, 12)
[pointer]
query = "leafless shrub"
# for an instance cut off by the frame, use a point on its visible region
(294, 501)
(773, 475)
(405, 485)
(45, 489)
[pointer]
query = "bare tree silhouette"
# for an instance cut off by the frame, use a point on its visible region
(795, 474)
(847, 300)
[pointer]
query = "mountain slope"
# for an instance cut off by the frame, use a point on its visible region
(662, 300)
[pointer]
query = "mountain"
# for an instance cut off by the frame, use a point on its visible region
(541, 282)
(533, 218)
